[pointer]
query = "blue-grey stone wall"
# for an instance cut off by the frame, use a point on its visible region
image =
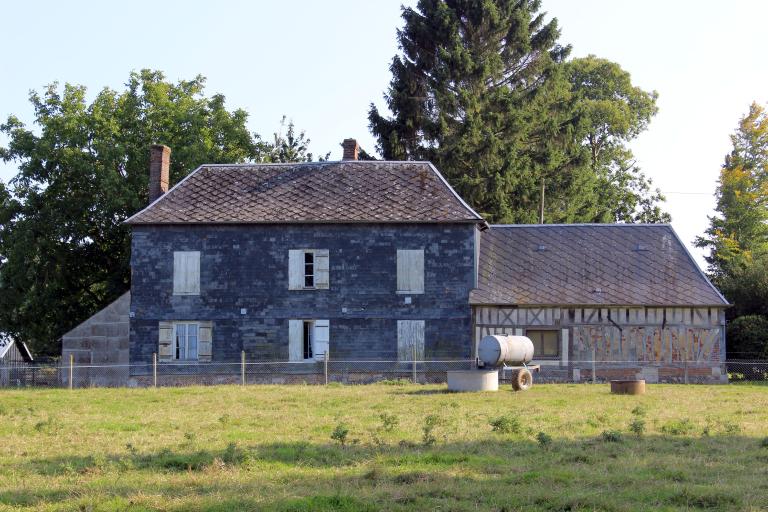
(247, 267)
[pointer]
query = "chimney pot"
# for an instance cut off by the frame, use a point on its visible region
(351, 149)
(159, 170)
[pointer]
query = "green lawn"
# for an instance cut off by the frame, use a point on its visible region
(555, 447)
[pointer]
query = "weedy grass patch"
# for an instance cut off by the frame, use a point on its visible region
(393, 447)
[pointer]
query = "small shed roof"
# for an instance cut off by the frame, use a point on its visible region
(590, 264)
(7, 342)
(349, 191)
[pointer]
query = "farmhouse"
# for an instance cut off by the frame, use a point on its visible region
(382, 260)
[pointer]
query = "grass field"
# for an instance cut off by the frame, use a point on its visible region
(406, 447)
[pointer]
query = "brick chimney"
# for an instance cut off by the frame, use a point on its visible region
(159, 170)
(350, 149)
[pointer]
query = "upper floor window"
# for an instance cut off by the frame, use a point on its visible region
(410, 271)
(186, 273)
(308, 269)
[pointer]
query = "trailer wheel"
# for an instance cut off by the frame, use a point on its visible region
(522, 380)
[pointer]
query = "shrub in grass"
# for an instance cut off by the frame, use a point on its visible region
(233, 455)
(544, 439)
(428, 437)
(506, 425)
(637, 426)
(764, 442)
(48, 426)
(678, 427)
(388, 422)
(611, 436)
(394, 382)
(3, 410)
(340, 434)
(639, 411)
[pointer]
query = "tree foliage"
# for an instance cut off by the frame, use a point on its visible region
(82, 170)
(738, 234)
(483, 89)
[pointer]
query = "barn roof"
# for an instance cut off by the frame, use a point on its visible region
(589, 264)
(6, 343)
(349, 191)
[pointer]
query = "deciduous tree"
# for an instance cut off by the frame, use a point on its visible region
(82, 170)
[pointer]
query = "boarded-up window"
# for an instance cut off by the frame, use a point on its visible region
(410, 340)
(308, 339)
(186, 273)
(410, 271)
(308, 269)
(545, 343)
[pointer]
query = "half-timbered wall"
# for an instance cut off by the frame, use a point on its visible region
(655, 343)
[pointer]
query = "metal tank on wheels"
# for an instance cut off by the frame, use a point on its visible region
(511, 353)
(497, 352)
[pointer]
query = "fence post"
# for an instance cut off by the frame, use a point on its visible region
(242, 366)
(594, 370)
(71, 369)
(325, 369)
(413, 356)
(154, 369)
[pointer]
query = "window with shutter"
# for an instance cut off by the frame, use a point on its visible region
(186, 273)
(410, 271)
(308, 340)
(295, 340)
(308, 269)
(321, 339)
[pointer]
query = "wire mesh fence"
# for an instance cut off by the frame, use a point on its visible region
(68, 374)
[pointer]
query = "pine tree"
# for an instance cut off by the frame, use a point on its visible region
(481, 89)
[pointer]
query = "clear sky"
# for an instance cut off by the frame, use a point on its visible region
(322, 63)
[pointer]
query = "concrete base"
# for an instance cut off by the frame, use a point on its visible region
(473, 380)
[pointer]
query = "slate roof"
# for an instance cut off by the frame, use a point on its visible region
(323, 192)
(589, 264)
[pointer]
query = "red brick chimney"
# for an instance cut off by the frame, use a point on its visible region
(159, 170)
(350, 149)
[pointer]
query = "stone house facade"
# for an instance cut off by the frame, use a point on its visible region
(365, 260)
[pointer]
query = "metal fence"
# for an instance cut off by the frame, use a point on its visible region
(73, 375)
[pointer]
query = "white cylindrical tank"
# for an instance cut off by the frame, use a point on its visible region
(496, 349)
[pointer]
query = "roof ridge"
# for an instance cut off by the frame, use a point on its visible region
(585, 224)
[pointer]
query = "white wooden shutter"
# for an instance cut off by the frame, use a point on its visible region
(165, 342)
(322, 269)
(295, 269)
(295, 340)
(205, 341)
(321, 339)
(410, 270)
(410, 334)
(186, 273)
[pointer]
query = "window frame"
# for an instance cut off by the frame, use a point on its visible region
(558, 343)
(176, 348)
(309, 270)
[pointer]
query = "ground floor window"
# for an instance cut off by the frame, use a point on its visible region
(185, 341)
(546, 343)
(308, 340)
